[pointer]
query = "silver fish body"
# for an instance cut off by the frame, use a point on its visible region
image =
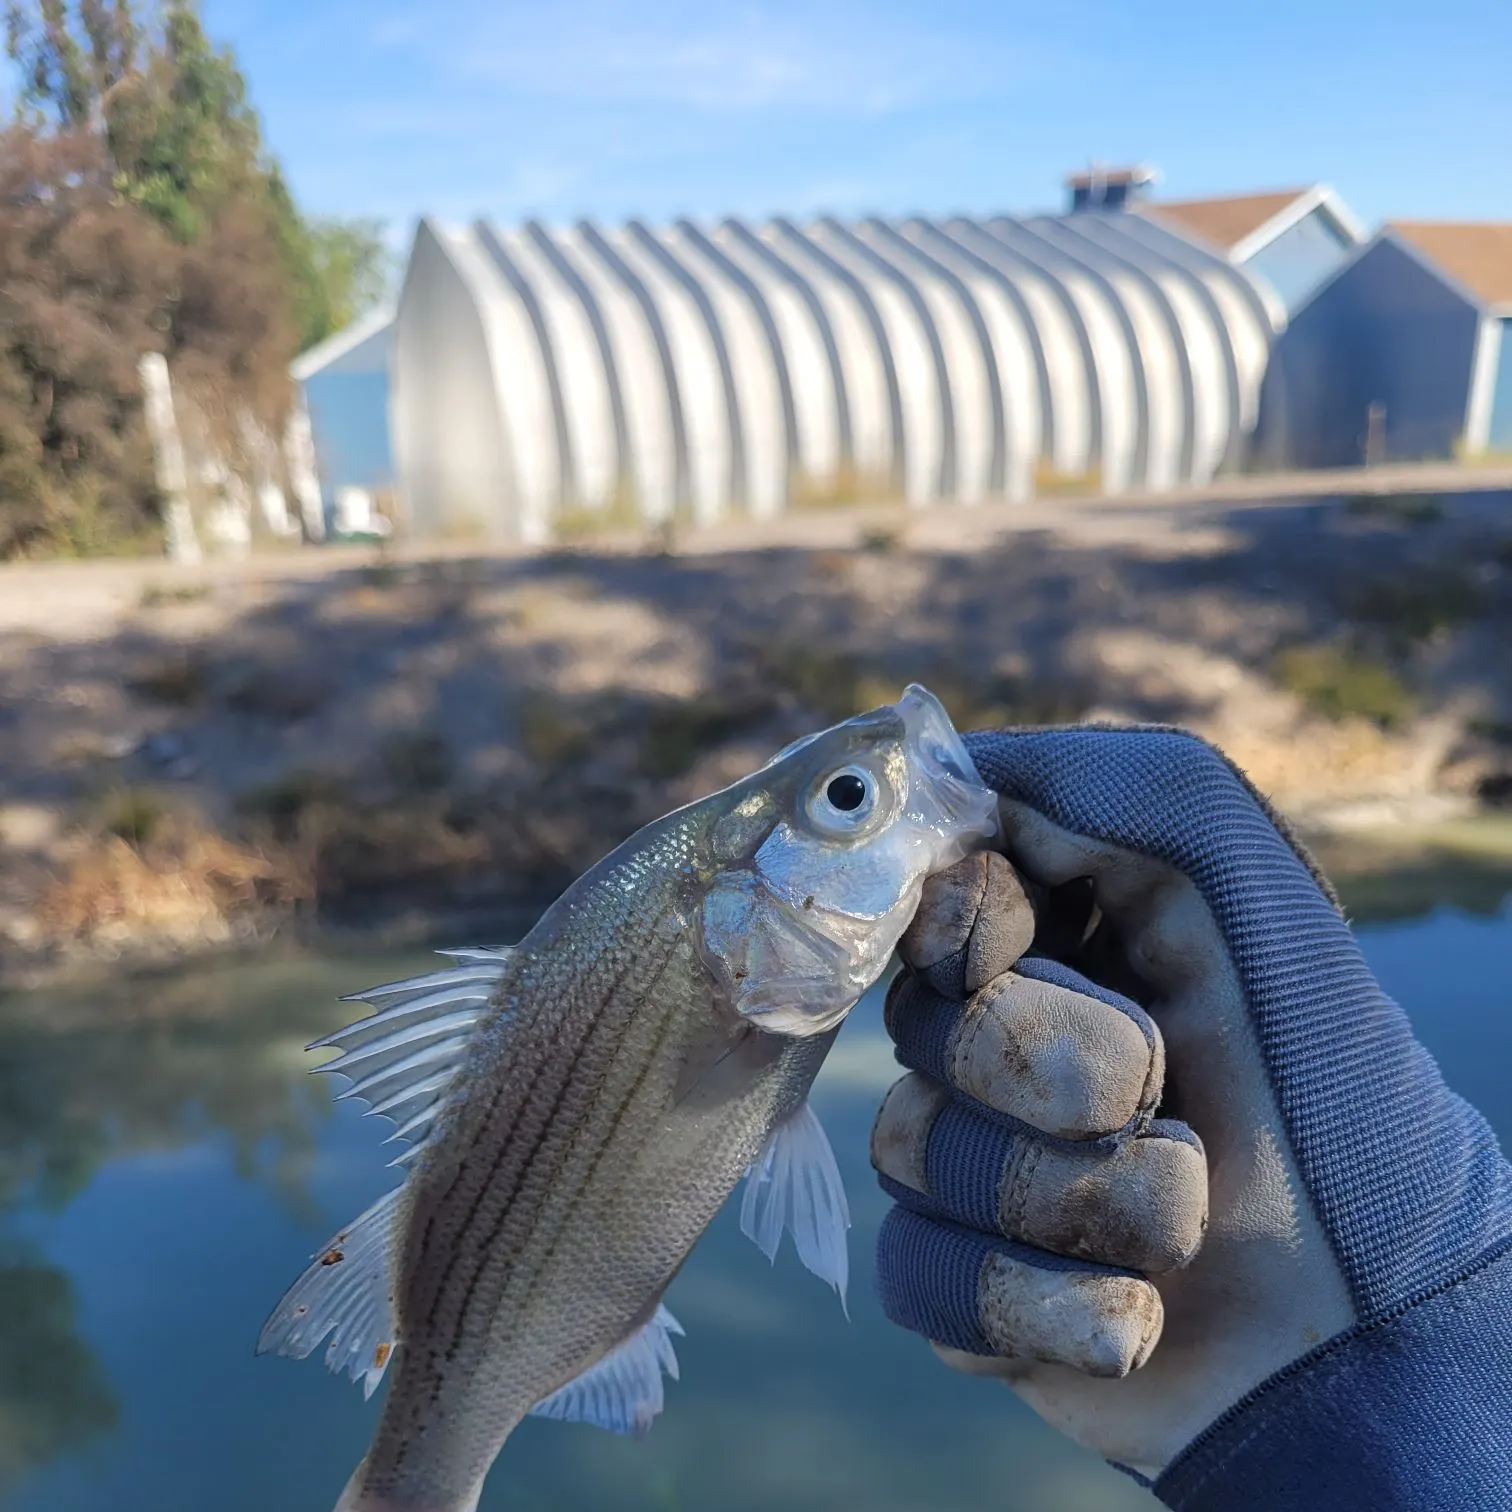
(651, 1041)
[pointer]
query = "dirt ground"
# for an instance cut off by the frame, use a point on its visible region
(192, 757)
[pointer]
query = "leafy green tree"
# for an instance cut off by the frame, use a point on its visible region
(143, 213)
(352, 267)
(179, 128)
(339, 268)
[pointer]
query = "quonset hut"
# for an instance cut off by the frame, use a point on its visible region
(544, 375)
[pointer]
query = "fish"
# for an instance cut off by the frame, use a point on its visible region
(577, 1108)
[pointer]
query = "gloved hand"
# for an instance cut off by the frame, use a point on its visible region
(1058, 1148)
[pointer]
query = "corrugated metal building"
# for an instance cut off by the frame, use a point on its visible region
(1292, 239)
(696, 372)
(532, 378)
(1405, 354)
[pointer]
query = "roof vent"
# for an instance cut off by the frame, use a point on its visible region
(1098, 187)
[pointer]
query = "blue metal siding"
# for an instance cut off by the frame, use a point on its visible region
(1499, 438)
(348, 403)
(349, 418)
(1298, 260)
(1386, 331)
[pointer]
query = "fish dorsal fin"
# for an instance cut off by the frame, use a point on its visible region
(624, 1391)
(346, 1292)
(401, 1058)
(795, 1184)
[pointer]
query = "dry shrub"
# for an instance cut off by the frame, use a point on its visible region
(89, 283)
(1340, 683)
(184, 888)
(85, 288)
(232, 335)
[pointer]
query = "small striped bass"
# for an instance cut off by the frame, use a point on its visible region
(578, 1108)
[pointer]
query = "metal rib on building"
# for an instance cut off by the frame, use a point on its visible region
(544, 376)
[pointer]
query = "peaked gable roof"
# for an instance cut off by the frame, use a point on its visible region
(1476, 254)
(1240, 225)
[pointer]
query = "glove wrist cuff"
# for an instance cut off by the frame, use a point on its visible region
(1412, 1410)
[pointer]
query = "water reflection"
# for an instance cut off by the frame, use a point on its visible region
(165, 1164)
(54, 1397)
(122, 1070)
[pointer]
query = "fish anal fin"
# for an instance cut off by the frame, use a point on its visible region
(624, 1391)
(346, 1292)
(795, 1184)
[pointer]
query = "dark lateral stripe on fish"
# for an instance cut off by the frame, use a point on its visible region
(607, 1031)
(452, 1295)
(610, 1140)
(515, 1159)
(441, 1283)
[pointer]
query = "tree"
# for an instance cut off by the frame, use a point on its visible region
(339, 268)
(143, 213)
(68, 68)
(86, 285)
(185, 141)
(352, 267)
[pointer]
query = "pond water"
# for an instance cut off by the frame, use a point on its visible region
(166, 1166)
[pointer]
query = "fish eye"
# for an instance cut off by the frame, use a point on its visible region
(842, 802)
(846, 792)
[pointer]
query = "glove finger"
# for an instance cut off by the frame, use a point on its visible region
(1140, 1203)
(1040, 1044)
(974, 920)
(991, 1297)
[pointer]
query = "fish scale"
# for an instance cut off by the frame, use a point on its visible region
(544, 1071)
(652, 1040)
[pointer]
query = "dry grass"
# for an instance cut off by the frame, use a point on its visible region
(1419, 606)
(278, 807)
(181, 680)
(843, 489)
(281, 695)
(1050, 482)
(157, 595)
(1342, 684)
(1403, 509)
(132, 814)
(836, 686)
(620, 514)
(184, 887)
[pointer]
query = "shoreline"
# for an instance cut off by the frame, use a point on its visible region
(1381, 874)
(199, 759)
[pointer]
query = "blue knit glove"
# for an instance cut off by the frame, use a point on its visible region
(1340, 1336)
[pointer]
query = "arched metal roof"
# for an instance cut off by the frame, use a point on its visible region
(705, 372)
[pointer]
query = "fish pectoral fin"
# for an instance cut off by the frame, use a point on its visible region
(623, 1392)
(346, 1292)
(402, 1058)
(795, 1184)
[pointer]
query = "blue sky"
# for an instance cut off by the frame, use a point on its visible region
(563, 108)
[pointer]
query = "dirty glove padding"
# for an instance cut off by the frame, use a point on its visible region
(1348, 1184)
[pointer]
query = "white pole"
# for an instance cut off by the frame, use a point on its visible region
(168, 457)
(299, 457)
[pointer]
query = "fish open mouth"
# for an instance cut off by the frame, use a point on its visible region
(948, 794)
(797, 935)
